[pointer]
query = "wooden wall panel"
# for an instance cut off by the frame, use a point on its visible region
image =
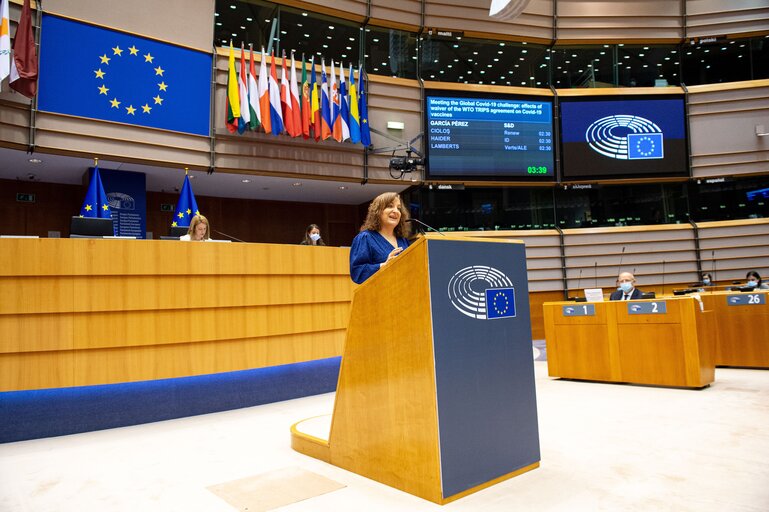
(731, 248)
(158, 20)
(599, 253)
(185, 309)
(722, 127)
(714, 17)
(242, 218)
(604, 20)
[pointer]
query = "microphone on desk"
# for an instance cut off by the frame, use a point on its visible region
(425, 225)
(713, 267)
(228, 236)
(579, 280)
(663, 277)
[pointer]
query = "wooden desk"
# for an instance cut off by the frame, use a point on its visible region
(668, 342)
(742, 329)
(77, 312)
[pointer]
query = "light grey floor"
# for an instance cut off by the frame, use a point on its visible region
(604, 447)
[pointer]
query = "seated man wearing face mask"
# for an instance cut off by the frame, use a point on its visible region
(627, 290)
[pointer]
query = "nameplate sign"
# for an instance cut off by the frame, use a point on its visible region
(746, 299)
(579, 310)
(647, 308)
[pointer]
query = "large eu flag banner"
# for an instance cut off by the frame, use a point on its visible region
(94, 72)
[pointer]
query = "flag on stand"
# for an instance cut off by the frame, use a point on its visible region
(232, 99)
(365, 132)
(253, 95)
(336, 121)
(186, 207)
(305, 102)
(315, 104)
(344, 107)
(245, 111)
(264, 95)
(24, 63)
(285, 99)
(325, 106)
(95, 203)
(354, 115)
(5, 41)
(296, 115)
(276, 116)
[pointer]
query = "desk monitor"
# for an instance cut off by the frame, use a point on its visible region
(90, 227)
(178, 231)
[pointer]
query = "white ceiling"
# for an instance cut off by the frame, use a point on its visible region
(16, 165)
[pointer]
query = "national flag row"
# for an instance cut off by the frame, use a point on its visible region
(321, 111)
(21, 68)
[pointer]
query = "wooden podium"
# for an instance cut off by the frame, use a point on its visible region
(663, 342)
(436, 388)
(741, 329)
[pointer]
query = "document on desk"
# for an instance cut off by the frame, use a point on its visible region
(594, 294)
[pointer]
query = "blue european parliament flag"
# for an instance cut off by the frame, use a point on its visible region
(500, 302)
(95, 203)
(186, 207)
(89, 71)
(644, 146)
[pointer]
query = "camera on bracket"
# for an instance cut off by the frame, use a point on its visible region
(405, 163)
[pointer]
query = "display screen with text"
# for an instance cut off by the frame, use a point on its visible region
(488, 137)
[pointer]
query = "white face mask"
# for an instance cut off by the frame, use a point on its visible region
(315, 237)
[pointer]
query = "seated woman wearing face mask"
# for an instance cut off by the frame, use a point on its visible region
(753, 279)
(312, 236)
(707, 281)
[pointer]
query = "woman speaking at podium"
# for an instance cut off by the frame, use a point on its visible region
(382, 236)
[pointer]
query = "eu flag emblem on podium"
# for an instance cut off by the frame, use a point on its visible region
(94, 72)
(186, 207)
(500, 302)
(95, 203)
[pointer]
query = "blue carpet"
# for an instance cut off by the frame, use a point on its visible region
(57, 412)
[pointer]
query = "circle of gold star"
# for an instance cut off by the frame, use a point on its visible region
(102, 74)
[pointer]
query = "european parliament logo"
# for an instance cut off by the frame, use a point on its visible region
(482, 292)
(94, 72)
(626, 137)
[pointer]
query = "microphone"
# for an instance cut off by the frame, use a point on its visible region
(578, 283)
(622, 255)
(595, 274)
(228, 236)
(713, 266)
(425, 225)
(663, 277)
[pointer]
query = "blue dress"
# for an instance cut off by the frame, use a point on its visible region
(368, 250)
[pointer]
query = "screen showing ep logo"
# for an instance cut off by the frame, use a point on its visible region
(629, 137)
